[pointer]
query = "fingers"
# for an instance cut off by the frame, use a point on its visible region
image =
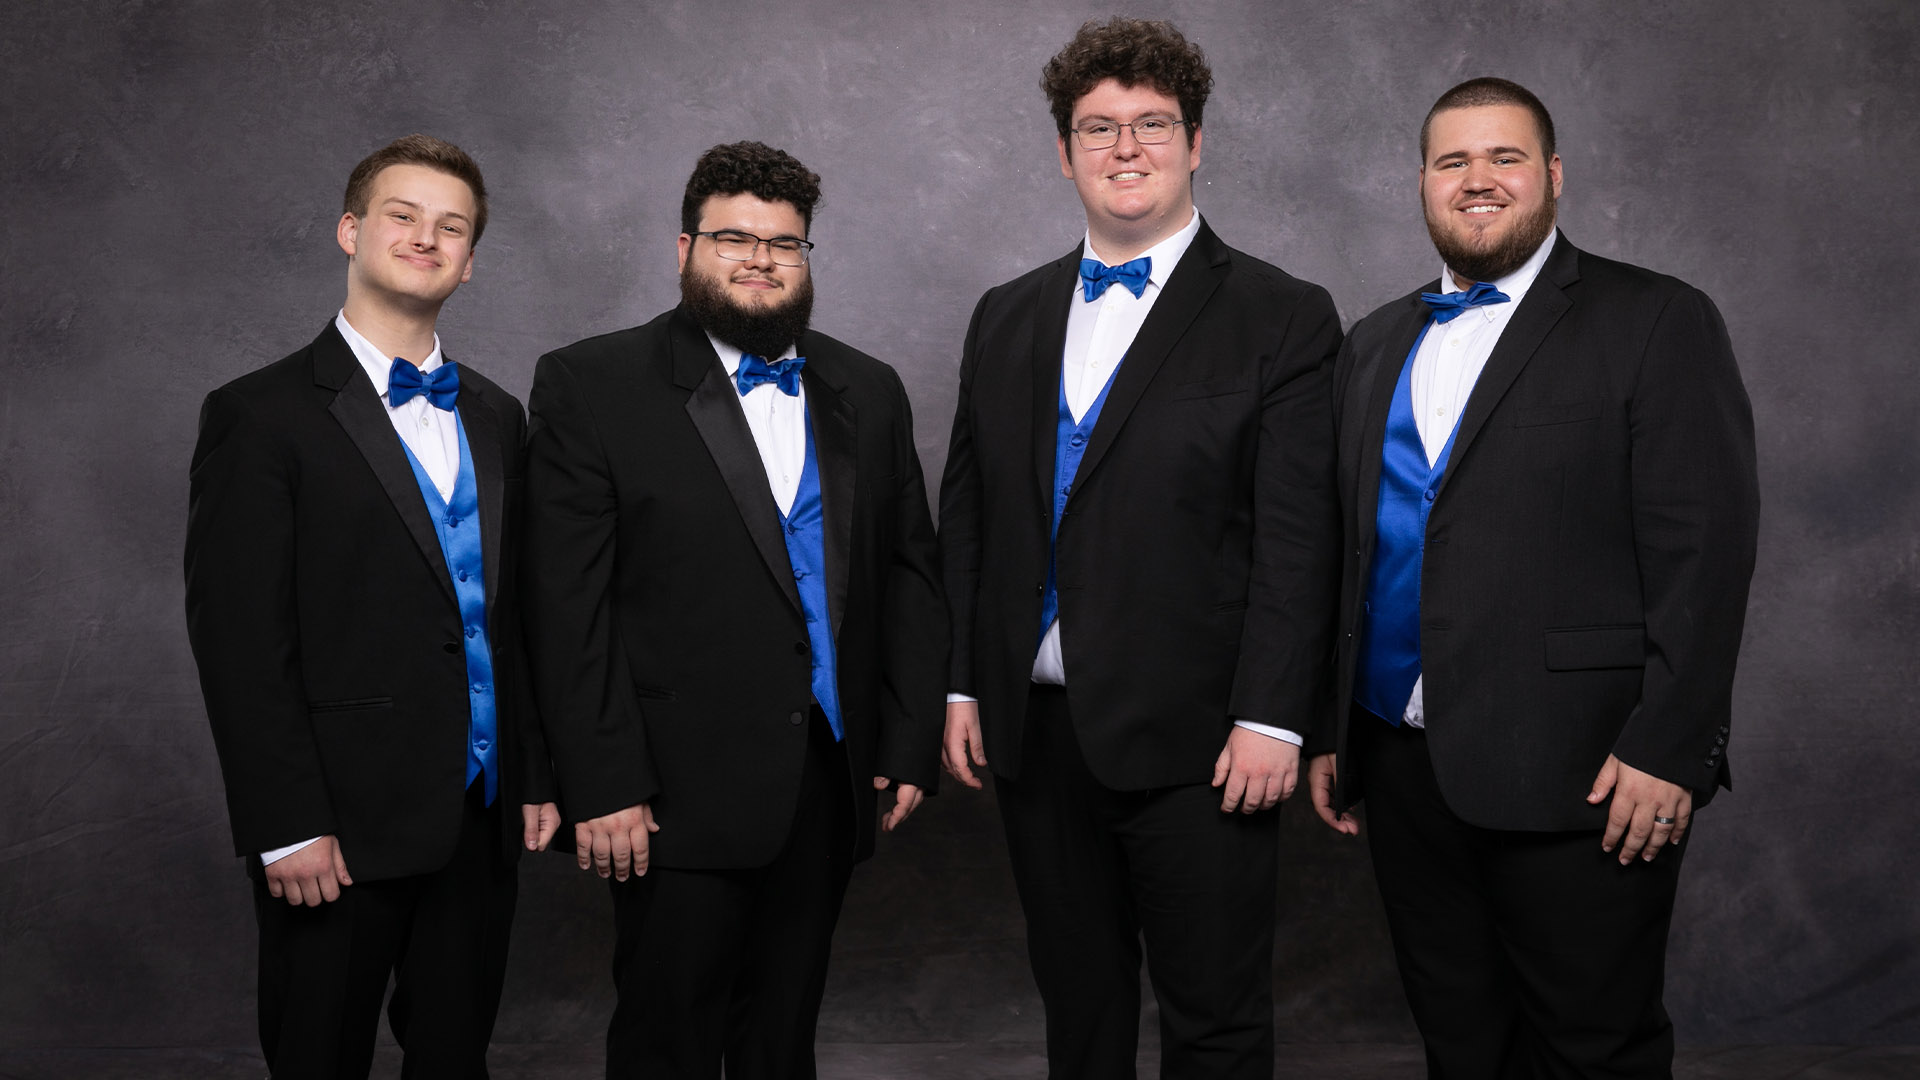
(1603, 783)
(602, 852)
(583, 845)
(530, 826)
(274, 888)
(620, 851)
(1222, 767)
(329, 885)
(906, 799)
(961, 744)
(639, 849)
(976, 745)
(646, 815)
(340, 866)
(1639, 829)
(1619, 817)
(549, 824)
(1287, 782)
(1682, 818)
(1235, 792)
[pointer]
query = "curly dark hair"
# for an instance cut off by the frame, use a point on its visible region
(426, 150)
(1134, 52)
(749, 168)
(1488, 90)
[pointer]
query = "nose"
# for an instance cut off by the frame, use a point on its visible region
(1127, 146)
(1479, 176)
(425, 234)
(761, 255)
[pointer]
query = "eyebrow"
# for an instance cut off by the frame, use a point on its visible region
(1116, 120)
(395, 200)
(1491, 152)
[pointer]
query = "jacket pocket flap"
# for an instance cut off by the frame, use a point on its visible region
(1596, 647)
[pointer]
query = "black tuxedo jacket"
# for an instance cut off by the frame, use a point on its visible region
(1587, 554)
(669, 647)
(324, 622)
(1197, 565)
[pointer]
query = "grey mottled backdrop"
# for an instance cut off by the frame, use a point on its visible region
(171, 175)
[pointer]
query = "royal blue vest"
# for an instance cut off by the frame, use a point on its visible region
(457, 524)
(1389, 662)
(1069, 446)
(805, 529)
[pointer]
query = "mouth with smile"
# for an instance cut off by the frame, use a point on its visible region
(1128, 175)
(1483, 209)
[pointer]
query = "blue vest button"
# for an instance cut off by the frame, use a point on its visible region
(1429, 495)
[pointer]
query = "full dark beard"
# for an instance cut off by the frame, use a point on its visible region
(1505, 256)
(765, 333)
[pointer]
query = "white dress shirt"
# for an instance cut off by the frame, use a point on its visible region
(1445, 369)
(431, 434)
(1099, 333)
(779, 425)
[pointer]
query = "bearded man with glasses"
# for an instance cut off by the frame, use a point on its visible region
(1140, 538)
(736, 628)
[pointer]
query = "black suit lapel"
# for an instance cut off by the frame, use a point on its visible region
(1049, 346)
(714, 408)
(483, 443)
(1542, 307)
(835, 429)
(1187, 290)
(356, 406)
(1376, 387)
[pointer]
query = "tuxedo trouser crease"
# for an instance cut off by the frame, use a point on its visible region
(713, 965)
(442, 937)
(1100, 870)
(1524, 955)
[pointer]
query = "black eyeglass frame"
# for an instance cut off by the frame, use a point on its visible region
(1172, 124)
(806, 246)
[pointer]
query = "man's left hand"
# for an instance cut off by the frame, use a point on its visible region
(1648, 811)
(1258, 771)
(539, 821)
(906, 798)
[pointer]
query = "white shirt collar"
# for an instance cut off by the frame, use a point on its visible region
(378, 367)
(1516, 284)
(1165, 255)
(730, 356)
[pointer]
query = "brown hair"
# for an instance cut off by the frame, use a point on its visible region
(1475, 93)
(424, 150)
(1133, 52)
(749, 168)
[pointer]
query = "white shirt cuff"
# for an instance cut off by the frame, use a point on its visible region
(955, 699)
(274, 856)
(1271, 732)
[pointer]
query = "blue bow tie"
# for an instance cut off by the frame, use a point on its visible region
(755, 370)
(405, 382)
(1450, 306)
(1096, 276)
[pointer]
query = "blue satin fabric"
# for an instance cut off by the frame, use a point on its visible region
(457, 524)
(1450, 306)
(754, 370)
(1096, 276)
(405, 382)
(805, 530)
(1069, 446)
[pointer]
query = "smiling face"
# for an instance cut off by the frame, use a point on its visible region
(1488, 191)
(757, 306)
(1135, 195)
(414, 245)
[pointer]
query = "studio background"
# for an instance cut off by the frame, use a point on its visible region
(171, 175)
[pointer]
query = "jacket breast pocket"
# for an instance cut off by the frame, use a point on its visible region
(1587, 648)
(1208, 388)
(654, 693)
(349, 705)
(1571, 412)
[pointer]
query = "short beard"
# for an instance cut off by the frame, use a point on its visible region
(1505, 256)
(765, 332)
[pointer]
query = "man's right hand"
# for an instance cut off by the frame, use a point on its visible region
(962, 746)
(615, 845)
(1320, 772)
(311, 876)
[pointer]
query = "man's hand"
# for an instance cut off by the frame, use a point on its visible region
(963, 745)
(1320, 773)
(906, 799)
(311, 876)
(615, 845)
(1649, 811)
(540, 822)
(1259, 771)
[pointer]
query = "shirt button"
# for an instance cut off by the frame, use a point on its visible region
(425, 422)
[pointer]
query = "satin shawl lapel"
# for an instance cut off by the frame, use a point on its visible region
(356, 407)
(482, 425)
(1049, 348)
(1187, 290)
(1376, 385)
(1542, 307)
(714, 409)
(836, 455)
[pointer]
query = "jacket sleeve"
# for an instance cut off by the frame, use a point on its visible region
(581, 683)
(914, 631)
(243, 624)
(1696, 509)
(960, 514)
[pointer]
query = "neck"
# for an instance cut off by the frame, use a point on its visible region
(394, 331)
(1463, 283)
(1115, 246)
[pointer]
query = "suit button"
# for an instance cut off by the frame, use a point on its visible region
(1040, 590)
(800, 648)
(794, 719)
(449, 647)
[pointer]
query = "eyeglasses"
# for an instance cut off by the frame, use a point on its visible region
(1148, 130)
(740, 246)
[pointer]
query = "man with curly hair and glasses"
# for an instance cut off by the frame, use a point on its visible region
(1139, 534)
(736, 628)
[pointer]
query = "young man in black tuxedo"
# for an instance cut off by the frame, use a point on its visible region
(1550, 507)
(1138, 529)
(736, 626)
(351, 559)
